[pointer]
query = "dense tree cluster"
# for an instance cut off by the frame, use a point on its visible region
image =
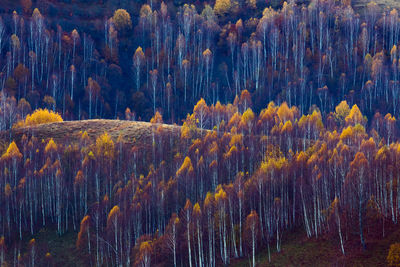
(166, 57)
(229, 183)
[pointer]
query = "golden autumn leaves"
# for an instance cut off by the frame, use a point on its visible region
(122, 20)
(39, 116)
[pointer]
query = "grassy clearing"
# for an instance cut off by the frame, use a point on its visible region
(130, 131)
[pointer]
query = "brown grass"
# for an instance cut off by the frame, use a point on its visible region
(71, 131)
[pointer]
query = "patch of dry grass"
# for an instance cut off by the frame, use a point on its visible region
(71, 131)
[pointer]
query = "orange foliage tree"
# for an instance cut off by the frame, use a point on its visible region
(84, 233)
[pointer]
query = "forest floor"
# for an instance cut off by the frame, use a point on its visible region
(298, 250)
(61, 247)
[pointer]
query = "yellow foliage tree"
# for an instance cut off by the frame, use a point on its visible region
(201, 112)
(113, 215)
(247, 120)
(284, 112)
(85, 137)
(157, 118)
(207, 53)
(39, 116)
(393, 258)
(36, 14)
(145, 251)
(342, 111)
(355, 116)
(51, 146)
(220, 195)
(122, 20)
(222, 7)
(234, 121)
(209, 201)
(189, 128)
(138, 59)
(12, 152)
(186, 167)
(197, 209)
(287, 127)
(105, 146)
